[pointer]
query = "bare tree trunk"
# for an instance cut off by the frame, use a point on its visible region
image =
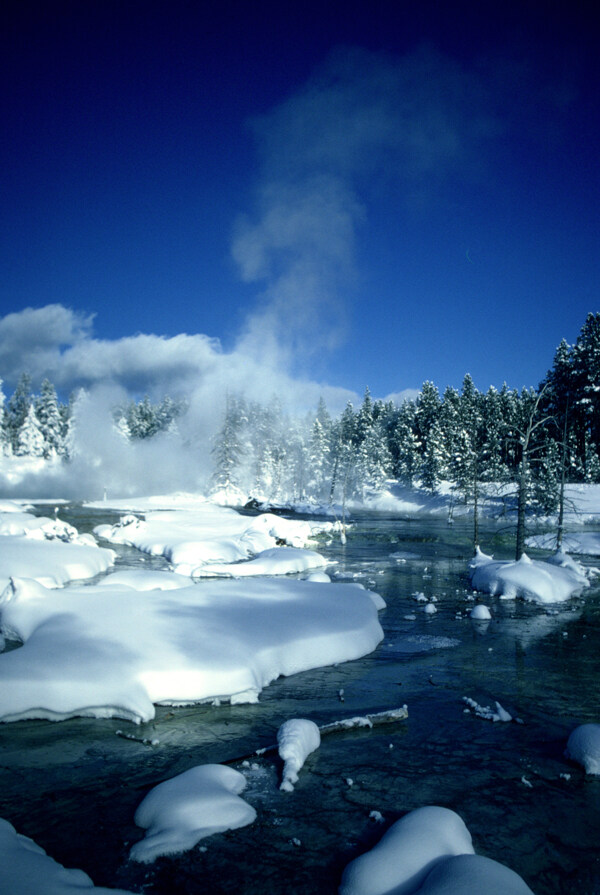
(521, 506)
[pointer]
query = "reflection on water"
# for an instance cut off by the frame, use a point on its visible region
(74, 786)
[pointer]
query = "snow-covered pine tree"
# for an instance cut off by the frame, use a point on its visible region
(49, 418)
(17, 409)
(30, 440)
(5, 447)
(229, 446)
(434, 465)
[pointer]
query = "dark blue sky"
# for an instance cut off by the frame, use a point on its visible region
(380, 193)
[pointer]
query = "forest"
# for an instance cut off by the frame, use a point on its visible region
(537, 438)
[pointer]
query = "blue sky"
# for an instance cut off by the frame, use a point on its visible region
(348, 193)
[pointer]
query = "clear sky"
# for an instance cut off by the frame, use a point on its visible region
(371, 193)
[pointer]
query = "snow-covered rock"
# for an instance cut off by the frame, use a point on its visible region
(541, 581)
(185, 809)
(480, 613)
(296, 739)
(26, 869)
(407, 852)
(429, 852)
(583, 746)
(114, 651)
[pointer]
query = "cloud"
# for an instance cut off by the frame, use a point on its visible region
(31, 340)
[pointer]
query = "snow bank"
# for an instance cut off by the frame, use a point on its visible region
(25, 868)
(583, 746)
(180, 812)
(409, 850)
(583, 542)
(480, 613)
(191, 539)
(551, 581)
(428, 852)
(51, 563)
(113, 651)
(141, 579)
(296, 739)
(275, 561)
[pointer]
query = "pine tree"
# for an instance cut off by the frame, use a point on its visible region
(17, 410)
(30, 441)
(228, 449)
(5, 447)
(48, 415)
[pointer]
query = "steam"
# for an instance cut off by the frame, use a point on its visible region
(364, 122)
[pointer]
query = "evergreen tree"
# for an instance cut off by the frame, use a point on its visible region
(49, 418)
(17, 410)
(5, 447)
(228, 449)
(30, 441)
(434, 466)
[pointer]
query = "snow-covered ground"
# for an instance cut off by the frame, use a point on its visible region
(550, 581)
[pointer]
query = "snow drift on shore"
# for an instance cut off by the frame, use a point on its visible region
(551, 581)
(583, 746)
(114, 651)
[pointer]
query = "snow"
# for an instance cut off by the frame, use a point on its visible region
(275, 561)
(406, 853)
(141, 579)
(549, 581)
(185, 809)
(583, 746)
(51, 563)
(206, 534)
(428, 852)
(480, 613)
(487, 713)
(296, 739)
(111, 651)
(25, 868)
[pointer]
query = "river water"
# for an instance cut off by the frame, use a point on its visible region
(73, 786)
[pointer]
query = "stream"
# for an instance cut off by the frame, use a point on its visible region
(73, 786)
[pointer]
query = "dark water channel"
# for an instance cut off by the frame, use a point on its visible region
(74, 786)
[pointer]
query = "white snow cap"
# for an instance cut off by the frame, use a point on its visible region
(25, 869)
(480, 613)
(114, 651)
(428, 852)
(583, 746)
(548, 581)
(180, 812)
(296, 739)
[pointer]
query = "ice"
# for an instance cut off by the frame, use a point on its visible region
(551, 581)
(25, 869)
(487, 713)
(428, 852)
(583, 746)
(296, 739)
(180, 812)
(113, 651)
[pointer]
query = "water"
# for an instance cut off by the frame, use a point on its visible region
(74, 786)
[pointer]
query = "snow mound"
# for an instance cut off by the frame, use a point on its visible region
(207, 534)
(114, 651)
(296, 739)
(401, 860)
(548, 581)
(25, 868)
(180, 812)
(470, 874)
(140, 579)
(275, 561)
(50, 562)
(583, 746)
(480, 613)
(428, 852)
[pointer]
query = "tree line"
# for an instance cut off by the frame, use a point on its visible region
(43, 426)
(536, 438)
